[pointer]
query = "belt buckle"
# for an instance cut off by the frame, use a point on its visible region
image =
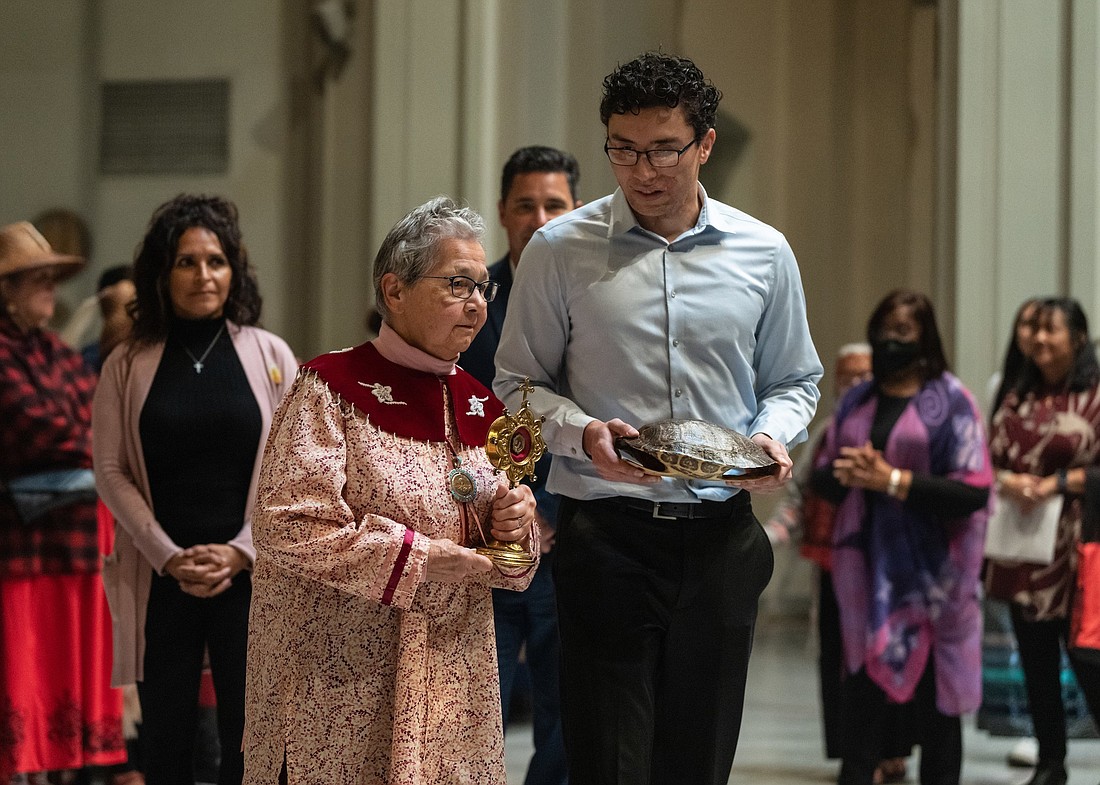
(657, 513)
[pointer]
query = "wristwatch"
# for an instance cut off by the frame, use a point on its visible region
(1063, 481)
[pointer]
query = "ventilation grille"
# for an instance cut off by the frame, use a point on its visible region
(165, 127)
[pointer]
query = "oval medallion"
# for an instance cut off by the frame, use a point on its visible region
(462, 483)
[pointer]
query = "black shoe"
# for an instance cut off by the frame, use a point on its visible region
(1049, 774)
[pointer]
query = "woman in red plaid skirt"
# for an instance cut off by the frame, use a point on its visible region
(57, 710)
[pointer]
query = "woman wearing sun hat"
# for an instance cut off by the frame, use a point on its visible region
(57, 710)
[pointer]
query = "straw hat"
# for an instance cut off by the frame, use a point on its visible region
(22, 247)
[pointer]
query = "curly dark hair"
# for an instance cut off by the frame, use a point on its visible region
(657, 79)
(155, 255)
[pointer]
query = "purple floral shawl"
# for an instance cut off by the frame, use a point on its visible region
(907, 582)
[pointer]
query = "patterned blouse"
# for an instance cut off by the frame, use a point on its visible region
(1040, 435)
(359, 670)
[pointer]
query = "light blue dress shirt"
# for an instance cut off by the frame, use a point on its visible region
(610, 320)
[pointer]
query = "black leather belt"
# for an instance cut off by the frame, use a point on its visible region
(671, 511)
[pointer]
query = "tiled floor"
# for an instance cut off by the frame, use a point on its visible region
(781, 739)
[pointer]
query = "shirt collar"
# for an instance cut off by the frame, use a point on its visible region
(395, 349)
(623, 220)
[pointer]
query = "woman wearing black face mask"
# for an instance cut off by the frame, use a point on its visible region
(905, 462)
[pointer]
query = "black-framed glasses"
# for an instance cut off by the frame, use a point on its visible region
(463, 286)
(661, 158)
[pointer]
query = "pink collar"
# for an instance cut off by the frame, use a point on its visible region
(394, 348)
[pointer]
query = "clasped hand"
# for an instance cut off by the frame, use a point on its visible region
(862, 467)
(512, 515)
(1027, 490)
(206, 570)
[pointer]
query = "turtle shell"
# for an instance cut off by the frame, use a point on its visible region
(696, 450)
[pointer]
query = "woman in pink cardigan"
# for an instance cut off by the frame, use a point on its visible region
(180, 418)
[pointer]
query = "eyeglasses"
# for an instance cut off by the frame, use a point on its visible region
(463, 286)
(661, 158)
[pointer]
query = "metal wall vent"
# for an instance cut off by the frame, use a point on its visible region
(165, 127)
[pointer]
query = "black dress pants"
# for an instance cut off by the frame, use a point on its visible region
(178, 629)
(656, 619)
(896, 722)
(867, 718)
(830, 666)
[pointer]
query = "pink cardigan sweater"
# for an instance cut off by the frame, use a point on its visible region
(141, 545)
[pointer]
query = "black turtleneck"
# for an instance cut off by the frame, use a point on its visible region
(199, 435)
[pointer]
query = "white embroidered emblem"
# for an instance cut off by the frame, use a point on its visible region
(383, 393)
(477, 406)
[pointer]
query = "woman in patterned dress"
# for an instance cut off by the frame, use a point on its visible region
(371, 654)
(57, 710)
(1046, 431)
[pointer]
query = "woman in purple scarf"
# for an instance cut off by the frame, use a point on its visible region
(906, 462)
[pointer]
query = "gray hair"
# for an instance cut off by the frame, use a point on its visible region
(848, 349)
(409, 250)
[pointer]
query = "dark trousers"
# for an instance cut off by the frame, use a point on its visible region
(1040, 645)
(897, 732)
(656, 620)
(530, 618)
(868, 722)
(830, 666)
(178, 629)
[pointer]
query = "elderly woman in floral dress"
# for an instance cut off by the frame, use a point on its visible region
(372, 657)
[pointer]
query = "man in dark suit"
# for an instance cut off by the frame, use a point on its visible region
(538, 184)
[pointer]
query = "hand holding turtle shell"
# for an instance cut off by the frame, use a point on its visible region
(598, 442)
(777, 451)
(513, 513)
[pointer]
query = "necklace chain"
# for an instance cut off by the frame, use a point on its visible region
(197, 361)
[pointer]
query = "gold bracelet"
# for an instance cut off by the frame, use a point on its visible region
(894, 485)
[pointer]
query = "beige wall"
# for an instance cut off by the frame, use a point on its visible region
(53, 55)
(838, 97)
(873, 169)
(45, 143)
(238, 41)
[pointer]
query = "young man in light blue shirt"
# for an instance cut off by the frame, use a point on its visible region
(657, 302)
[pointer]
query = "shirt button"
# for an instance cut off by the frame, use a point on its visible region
(672, 294)
(675, 341)
(679, 392)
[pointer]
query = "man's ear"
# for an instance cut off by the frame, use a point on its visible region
(706, 144)
(500, 211)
